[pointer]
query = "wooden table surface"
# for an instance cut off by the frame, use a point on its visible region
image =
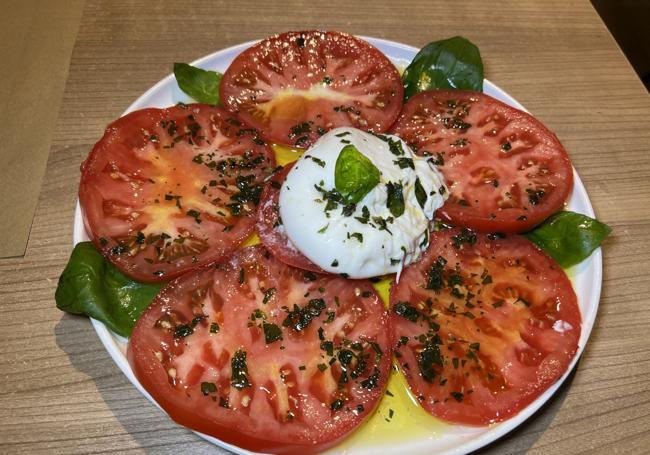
(62, 393)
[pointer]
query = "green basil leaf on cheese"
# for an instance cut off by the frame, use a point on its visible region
(92, 286)
(354, 174)
(453, 63)
(569, 237)
(395, 199)
(201, 85)
(420, 193)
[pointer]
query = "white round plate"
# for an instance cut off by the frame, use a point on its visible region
(452, 439)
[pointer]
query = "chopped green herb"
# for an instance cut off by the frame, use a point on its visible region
(395, 199)
(171, 197)
(429, 357)
(395, 147)
(372, 380)
(310, 276)
(326, 346)
(420, 193)
(382, 223)
(271, 332)
(466, 235)
(239, 374)
(356, 235)
(522, 300)
(336, 405)
(194, 214)
(299, 318)
(535, 196)
(183, 330)
(407, 311)
(268, 295)
(208, 387)
(365, 215)
(404, 162)
(299, 129)
(457, 396)
(435, 279)
(318, 161)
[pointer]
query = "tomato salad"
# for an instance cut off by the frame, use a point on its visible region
(259, 347)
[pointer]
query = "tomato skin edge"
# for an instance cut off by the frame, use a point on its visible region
(268, 237)
(91, 213)
(235, 438)
(550, 370)
(271, 136)
(150, 374)
(458, 215)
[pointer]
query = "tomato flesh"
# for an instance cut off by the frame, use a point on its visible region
(262, 355)
(483, 325)
(167, 190)
(269, 226)
(506, 172)
(296, 86)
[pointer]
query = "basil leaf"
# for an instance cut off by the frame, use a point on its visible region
(354, 174)
(569, 237)
(92, 286)
(454, 63)
(201, 85)
(395, 198)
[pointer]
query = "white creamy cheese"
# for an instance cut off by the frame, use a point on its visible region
(350, 244)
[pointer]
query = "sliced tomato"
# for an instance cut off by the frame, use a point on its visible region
(483, 325)
(262, 355)
(167, 190)
(269, 226)
(296, 86)
(506, 172)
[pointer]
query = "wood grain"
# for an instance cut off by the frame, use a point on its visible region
(61, 391)
(37, 39)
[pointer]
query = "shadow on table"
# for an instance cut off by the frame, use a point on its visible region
(148, 428)
(154, 432)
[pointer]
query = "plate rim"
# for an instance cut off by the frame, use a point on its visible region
(493, 432)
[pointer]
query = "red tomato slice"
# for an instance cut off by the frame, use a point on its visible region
(268, 226)
(506, 172)
(262, 355)
(296, 86)
(483, 325)
(167, 190)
